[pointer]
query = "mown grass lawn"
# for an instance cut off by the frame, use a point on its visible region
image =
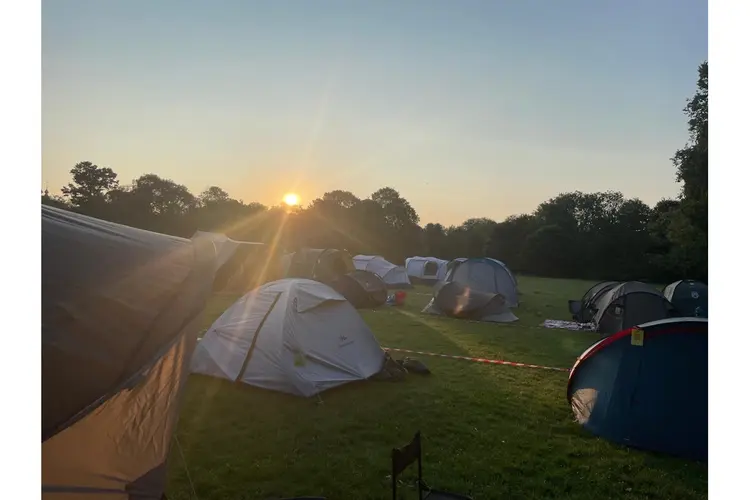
(494, 432)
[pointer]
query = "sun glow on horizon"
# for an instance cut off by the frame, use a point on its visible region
(291, 199)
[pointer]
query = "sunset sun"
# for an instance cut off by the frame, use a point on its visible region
(291, 199)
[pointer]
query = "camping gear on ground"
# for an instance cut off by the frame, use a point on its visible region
(121, 310)
(458, 301)
(397, 299)
(412, 365)
(690, 297)
(628, 304)
(484, 275)
(293, 335)
(241, 265)
(402, 458)
(425, 270)
(365, 290)
(392, 275)
(559, 324)
(392, 371)
(583, 310)
(647, 387)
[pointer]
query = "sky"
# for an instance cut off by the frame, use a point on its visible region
(468, 108)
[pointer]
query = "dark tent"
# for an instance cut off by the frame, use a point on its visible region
(362, 289)
(319, 264)
(457, 301)
(689, 297)
(121, 310)
(629, 304)
(241, 265)
(335, 268)
(647, 387)
(583, 310)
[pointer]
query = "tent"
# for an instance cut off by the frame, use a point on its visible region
(455, 300)
(293, 335)
(336, 269)
(320, 264)
(628, 304)
(392, 275)
(647, 387)
(689, 297)
(583, 310)
(241, 265)
(121, 310)
(365, 290)
(485, 275)
(424, 270)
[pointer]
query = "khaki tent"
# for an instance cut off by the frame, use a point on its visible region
(121, 309)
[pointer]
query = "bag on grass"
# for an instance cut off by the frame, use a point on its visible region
(391, 371)
(415, 366)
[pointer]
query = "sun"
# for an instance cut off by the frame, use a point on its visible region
(291, 199)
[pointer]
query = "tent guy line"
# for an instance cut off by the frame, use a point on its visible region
(480, 360)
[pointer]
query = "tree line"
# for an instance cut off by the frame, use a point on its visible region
(574, 235)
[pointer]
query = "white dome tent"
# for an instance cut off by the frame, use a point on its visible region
(394, 276)
(426, 269)
(293, 335)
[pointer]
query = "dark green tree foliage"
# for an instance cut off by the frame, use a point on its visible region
(90, 186)
(688, 231)
(573, 235)
(54, 201)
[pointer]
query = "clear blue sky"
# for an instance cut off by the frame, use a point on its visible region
(468, 108)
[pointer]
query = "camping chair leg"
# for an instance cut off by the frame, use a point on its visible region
(419, 469)
(393, 485)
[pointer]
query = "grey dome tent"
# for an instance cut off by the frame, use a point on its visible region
(689, 297)
(629, 304)
(121, 310)
(452, 299)
(293, 335)
(392, 275)
(484, 275)
(583, 310)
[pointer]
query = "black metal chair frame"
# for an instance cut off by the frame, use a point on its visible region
(402, 458)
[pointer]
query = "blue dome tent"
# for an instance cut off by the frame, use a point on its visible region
(647, 387)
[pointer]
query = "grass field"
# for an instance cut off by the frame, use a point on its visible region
(493, 432)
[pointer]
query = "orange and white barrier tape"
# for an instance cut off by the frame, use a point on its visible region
(480, 360)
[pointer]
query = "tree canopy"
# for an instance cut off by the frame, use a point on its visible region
(575, 235)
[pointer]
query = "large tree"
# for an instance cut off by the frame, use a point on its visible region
(90, 186)
(688, 231)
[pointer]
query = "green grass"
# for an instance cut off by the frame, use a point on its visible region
(489, 431)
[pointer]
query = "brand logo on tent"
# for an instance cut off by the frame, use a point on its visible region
(344, 340)
(694, 294)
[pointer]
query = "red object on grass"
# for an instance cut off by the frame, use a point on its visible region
(400, 297)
